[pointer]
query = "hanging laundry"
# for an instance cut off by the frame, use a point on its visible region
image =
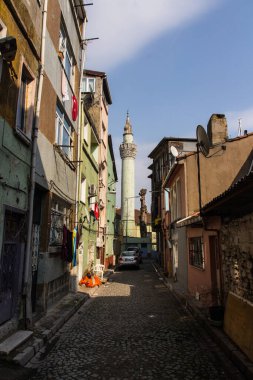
(92, 214)
(74, 245)
(69, 247)
(64, 243)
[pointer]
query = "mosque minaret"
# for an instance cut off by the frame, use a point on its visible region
(128, 154)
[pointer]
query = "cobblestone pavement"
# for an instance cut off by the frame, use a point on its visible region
(133, 328)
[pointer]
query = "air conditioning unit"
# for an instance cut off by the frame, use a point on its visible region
(92, 190)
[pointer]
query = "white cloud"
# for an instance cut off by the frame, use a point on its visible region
(124, 27)
(246, 120)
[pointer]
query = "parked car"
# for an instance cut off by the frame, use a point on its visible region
(128, 258)
(138, 252)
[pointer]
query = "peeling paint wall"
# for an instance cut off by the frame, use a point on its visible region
(22, 21)
(15, 152)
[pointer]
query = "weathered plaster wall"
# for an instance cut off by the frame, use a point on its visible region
(53, 168)
(217, 172)
(199, 280)
(182, 270)
(15, 155)
(47, 118)
(88, 231)
(110, 212)
(237, 256)
(53, 22)
(238, 322)
(95, 109)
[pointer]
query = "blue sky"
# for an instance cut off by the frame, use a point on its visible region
(172, 63)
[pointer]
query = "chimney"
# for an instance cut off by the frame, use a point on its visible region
(217, 129)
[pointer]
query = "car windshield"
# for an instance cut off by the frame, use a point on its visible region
(132, 249)
(128, 253)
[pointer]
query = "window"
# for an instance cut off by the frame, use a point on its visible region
(196, 254)
(92, 201)
(88, 84)
(67, 56)
(157, 177)
(178, 190)
(166, 199)
(176, 209)
(63, 132)
(83, 190)
(161, 167)
(103, 133)
(60, 215)
(94, 147)
(85, 129)
(25, 106)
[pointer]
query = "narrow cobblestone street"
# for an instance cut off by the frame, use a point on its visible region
(133, 328)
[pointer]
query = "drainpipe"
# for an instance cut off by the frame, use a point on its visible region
(79, 124)
(27, 270)
(80, 119)
(199, 181)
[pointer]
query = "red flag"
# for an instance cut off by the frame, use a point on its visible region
(74, 108)
(96, 211)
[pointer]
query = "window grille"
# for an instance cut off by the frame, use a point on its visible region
(60, 216)
(196, 252)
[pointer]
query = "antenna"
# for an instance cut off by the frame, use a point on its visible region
(239, 127)
(203, 140)
(174, 151)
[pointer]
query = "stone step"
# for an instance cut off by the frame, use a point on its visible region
(11, 343)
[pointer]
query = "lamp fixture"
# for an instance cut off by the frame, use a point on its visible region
(8, 48)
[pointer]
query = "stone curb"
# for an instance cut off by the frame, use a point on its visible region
(228, 347)
(39, 346)
(30, 351)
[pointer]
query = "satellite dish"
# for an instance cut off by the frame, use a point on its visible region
(203, 140)
(174, 151)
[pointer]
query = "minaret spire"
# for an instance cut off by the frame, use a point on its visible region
(128, 154)
(128, 127)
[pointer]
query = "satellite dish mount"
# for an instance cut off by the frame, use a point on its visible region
(203, 140)
(203, 146)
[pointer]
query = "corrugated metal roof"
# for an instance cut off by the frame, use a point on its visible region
(190, 219)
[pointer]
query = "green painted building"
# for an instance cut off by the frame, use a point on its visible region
(19, 64)
(88, 192)
(110, 206)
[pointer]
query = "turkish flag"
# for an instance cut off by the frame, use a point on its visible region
(96, 211)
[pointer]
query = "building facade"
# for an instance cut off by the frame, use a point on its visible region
(95, 88)
(88, 213)
(19, 75)
(110, 239)
(191, 186)
(55, 217)
(163, 158)
(230, 213)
